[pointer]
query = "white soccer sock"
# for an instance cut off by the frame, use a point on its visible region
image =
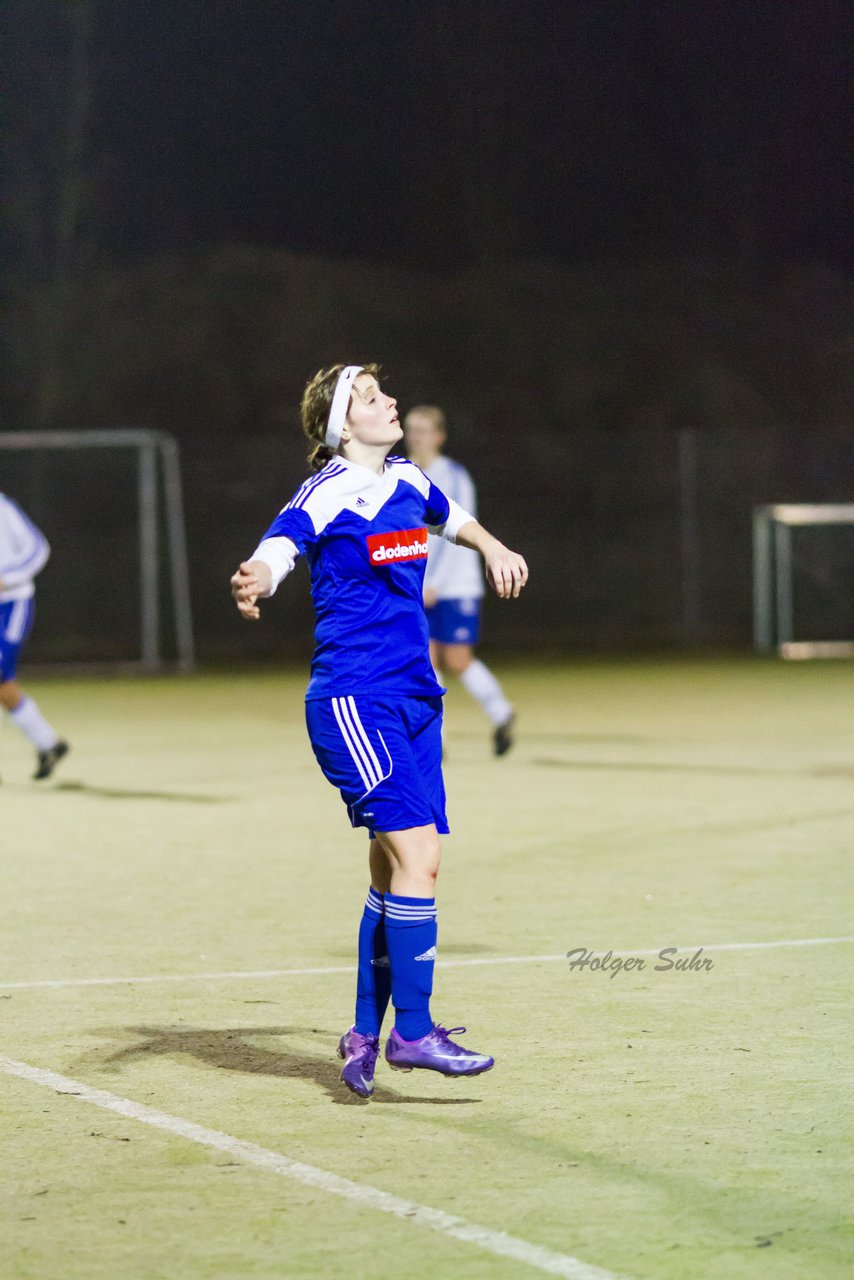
(33, 725)
(481, 684)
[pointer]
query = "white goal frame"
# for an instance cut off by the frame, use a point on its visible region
(773, 603)
(152, 447)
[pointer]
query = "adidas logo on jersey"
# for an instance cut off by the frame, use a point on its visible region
(360, 502)
(403, 544)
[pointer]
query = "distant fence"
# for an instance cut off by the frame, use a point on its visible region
(638, 538)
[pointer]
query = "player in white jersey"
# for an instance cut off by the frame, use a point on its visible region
(453, 582)
(24, 552)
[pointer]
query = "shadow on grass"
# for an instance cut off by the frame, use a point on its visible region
(556, 735)
(464, 949)
(127, 793)
(639, 766)
(231, 1049)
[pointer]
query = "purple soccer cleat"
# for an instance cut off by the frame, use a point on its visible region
(360, 1055)
(435, 1052)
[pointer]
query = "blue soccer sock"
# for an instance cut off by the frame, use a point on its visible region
(373, 983)
(410, 930)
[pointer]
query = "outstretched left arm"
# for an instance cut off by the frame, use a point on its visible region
(506, 571)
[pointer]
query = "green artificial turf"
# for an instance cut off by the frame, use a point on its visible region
(663, 1125)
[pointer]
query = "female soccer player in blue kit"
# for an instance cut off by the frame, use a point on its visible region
(373, 706)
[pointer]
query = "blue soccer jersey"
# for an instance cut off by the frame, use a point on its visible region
(365, 538)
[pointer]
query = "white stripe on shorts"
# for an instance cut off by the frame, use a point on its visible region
(357, 725)
(358, 758)
(17, 621)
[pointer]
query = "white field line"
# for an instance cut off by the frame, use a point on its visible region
(444, 964)
(495, 1242)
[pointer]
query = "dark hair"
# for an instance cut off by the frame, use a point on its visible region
(314, 411)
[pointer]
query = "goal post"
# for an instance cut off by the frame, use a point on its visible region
(773, 578)
(158, 480)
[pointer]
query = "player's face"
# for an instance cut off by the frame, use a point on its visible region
(373, 415)
(424, 436)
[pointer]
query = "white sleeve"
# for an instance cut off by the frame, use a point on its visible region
(280, 555)
(457, 517)
(31, 547)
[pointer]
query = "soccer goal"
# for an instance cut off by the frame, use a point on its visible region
(821, 569)
(115, 521)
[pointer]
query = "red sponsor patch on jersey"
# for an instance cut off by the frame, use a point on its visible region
(397, 547)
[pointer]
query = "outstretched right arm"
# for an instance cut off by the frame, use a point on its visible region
(270, 563)
(272, 560)
(290, 535)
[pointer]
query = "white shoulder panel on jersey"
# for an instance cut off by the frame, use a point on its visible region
(345, 486)
(338, 489)
(308, 486)
(409, 472)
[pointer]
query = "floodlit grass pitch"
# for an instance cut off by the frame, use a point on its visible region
(659, 1125)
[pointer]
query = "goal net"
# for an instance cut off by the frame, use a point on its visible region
(803, 560)
(116, 588)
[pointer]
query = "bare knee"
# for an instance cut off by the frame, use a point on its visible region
(423, 860)
(430, 870)
(419, 880)
(11, 694)
(414, 856)
(457, 657)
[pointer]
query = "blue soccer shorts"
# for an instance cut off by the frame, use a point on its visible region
(454, 621)
(16, 620)
(385, 757)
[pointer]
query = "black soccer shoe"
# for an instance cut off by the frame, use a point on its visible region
(502, 738)
(48, 760)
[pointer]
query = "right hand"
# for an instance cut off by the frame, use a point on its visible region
(246, 589)
(431, 597)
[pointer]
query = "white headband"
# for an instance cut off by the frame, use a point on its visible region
(340, 404)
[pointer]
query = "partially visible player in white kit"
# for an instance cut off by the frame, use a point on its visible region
(453, 582)
(24, 552)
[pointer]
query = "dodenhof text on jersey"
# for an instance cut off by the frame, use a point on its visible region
(401, 544)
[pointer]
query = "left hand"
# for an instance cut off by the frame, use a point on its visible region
(506, 571)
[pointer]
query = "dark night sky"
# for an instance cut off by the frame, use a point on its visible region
(432, 133)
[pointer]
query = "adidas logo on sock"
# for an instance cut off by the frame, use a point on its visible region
(428, 955)
(382, 962)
